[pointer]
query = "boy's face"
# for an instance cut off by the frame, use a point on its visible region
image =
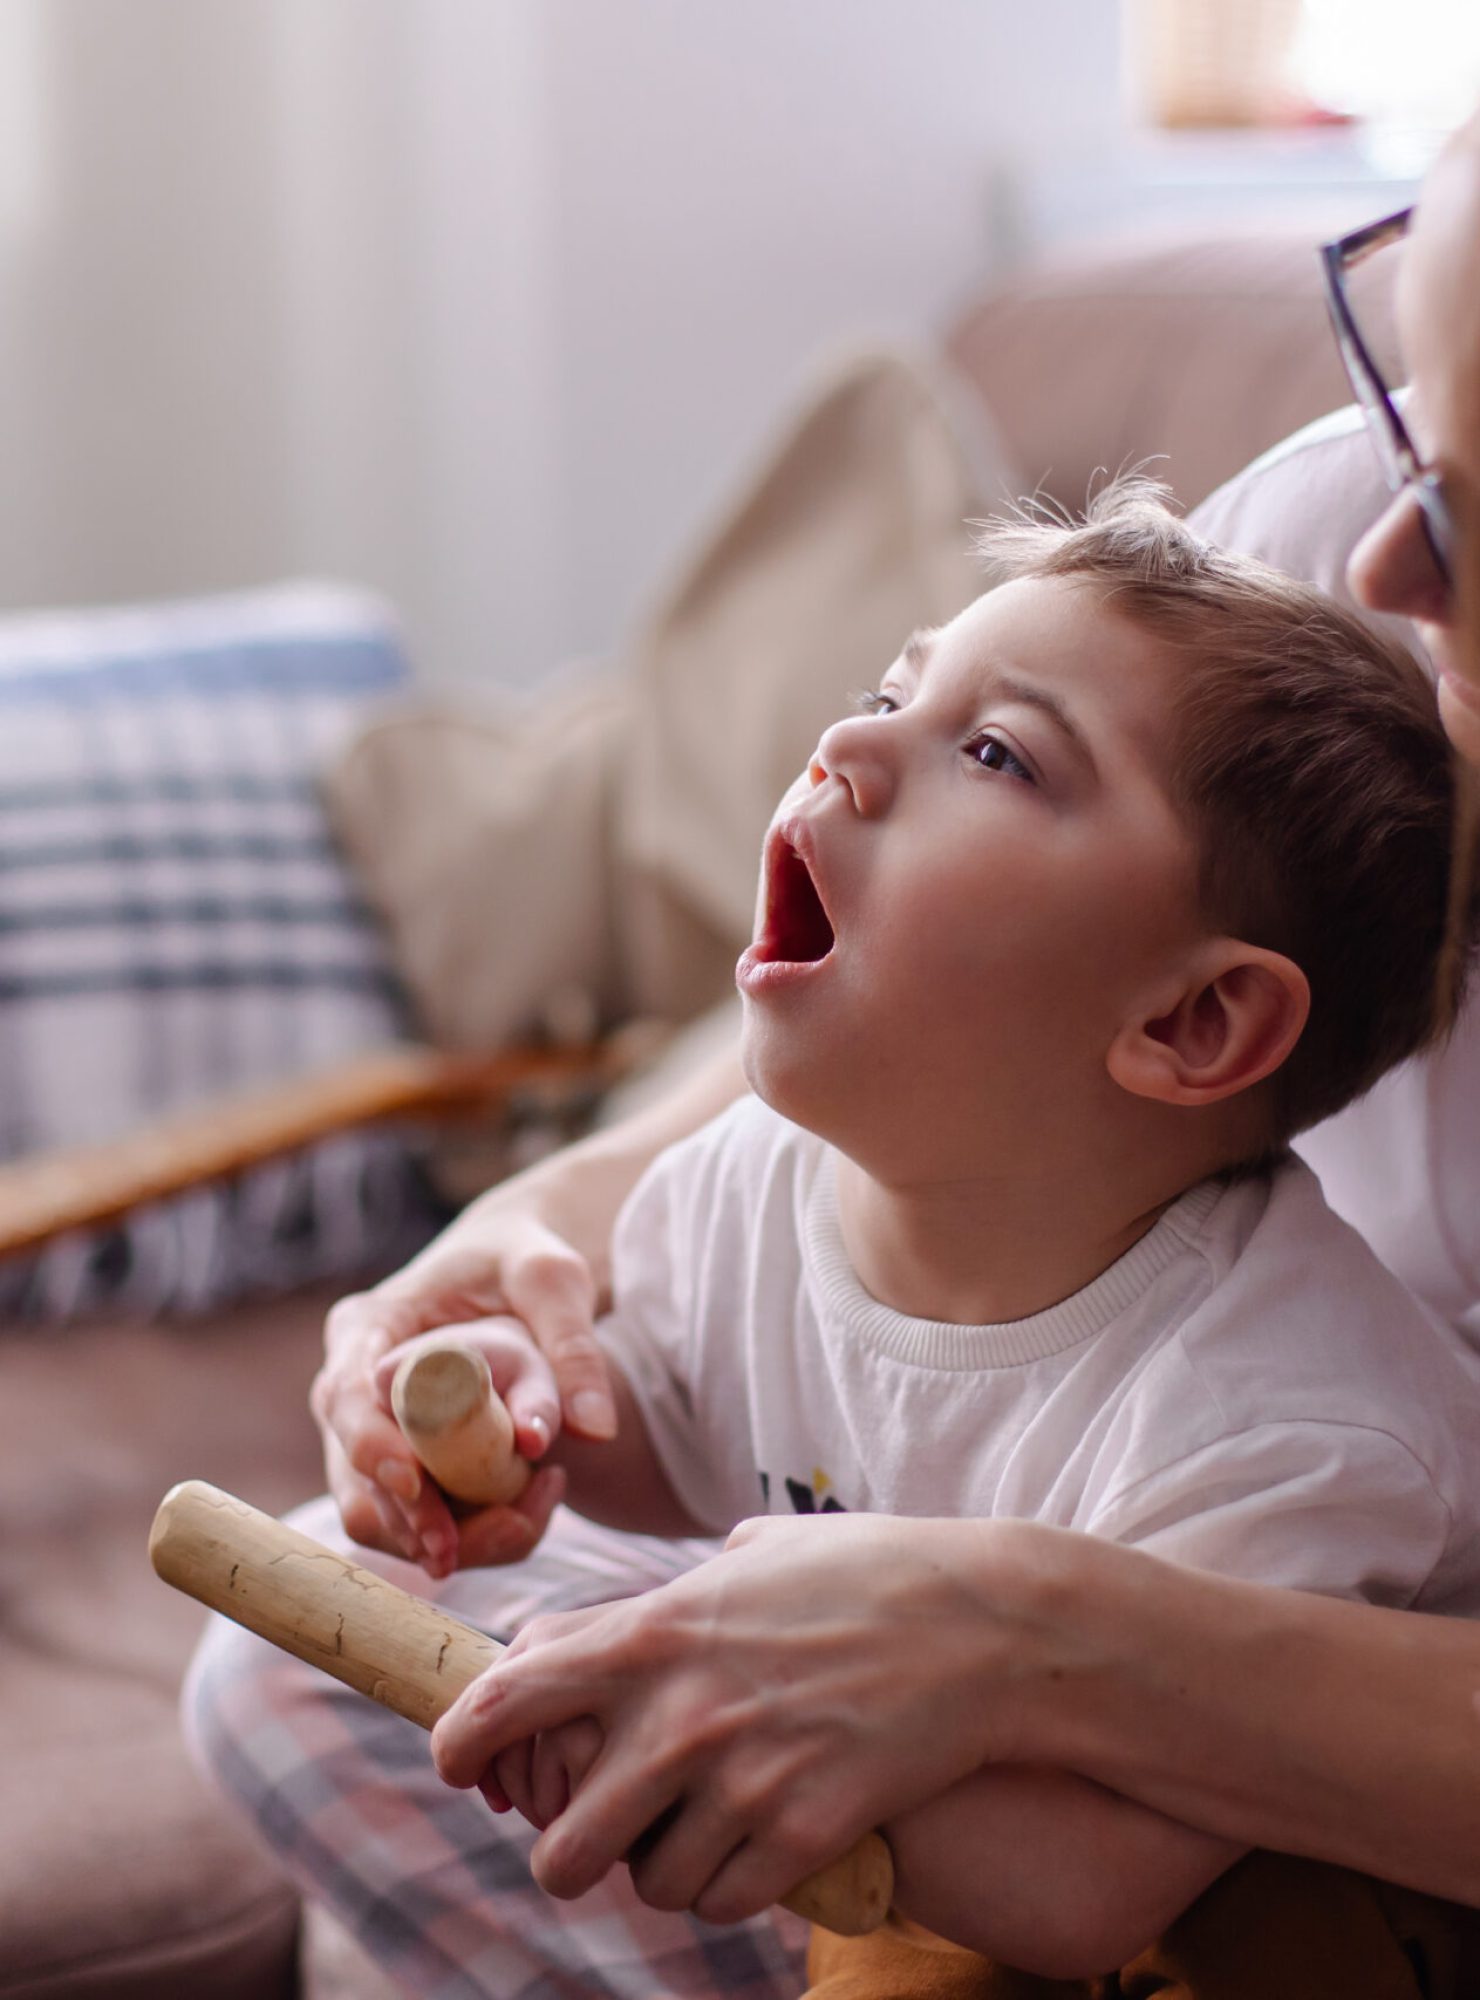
(970, 890)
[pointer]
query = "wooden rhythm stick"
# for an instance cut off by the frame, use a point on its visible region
(444, 1401)
(398, 1649)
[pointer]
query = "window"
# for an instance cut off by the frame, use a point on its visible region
(1398, 65)
(1413, 63)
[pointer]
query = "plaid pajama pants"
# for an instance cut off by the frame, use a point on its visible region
(433, 1885)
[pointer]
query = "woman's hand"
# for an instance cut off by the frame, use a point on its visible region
(539, 1777)
(536, 1247)
(500, 1257)
(524, 1381)
(758, 1714)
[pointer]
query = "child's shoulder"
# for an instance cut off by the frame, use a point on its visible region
(1301, 1321)
(1289, 1240)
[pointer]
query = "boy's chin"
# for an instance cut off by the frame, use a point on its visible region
(758, 1071)
(782, 1077)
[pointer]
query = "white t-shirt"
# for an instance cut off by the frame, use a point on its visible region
(1247, 1390)
(1403, 1163)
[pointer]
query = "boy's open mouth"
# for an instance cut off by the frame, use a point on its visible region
(796, 929)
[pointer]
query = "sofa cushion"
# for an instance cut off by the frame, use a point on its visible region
(1198, 351)
(132, 1882)
(480, 828)
(120, 1875)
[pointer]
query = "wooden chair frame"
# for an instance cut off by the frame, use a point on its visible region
(47, 1194)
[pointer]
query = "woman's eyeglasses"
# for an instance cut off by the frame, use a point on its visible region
(1402, 466)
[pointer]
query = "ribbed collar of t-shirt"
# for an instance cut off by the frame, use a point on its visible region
(931, 1343)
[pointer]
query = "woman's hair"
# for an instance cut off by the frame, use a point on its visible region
(1309, 762)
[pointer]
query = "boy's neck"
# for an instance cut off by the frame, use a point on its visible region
(974, 1253)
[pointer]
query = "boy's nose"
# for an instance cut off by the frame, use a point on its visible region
(851, 752)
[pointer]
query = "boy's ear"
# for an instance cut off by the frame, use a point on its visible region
(1235, 1019)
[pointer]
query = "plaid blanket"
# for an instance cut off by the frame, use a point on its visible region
(176, 922)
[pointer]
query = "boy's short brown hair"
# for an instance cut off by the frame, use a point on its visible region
(1309, 760)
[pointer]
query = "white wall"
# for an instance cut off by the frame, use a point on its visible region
(479, 301)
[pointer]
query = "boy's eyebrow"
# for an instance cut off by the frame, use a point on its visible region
(915, 651)
(1053, 706)
(915, 654)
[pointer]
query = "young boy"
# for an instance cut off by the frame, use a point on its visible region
(1121, 879)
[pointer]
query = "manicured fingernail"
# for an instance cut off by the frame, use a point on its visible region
(397, 1476)
(541, 1430)
(592, 1413)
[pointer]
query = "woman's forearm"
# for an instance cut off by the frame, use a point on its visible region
(869, 1663)
(578, 1191)
(1268, 1717)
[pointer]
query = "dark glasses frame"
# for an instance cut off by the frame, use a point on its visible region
(1402, 465)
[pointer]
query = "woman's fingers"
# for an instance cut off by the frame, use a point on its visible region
(499, 1535)
(478, 1728)
(675, 1861)
(741, 1835)
(384, 1461)
(550, 1287)
(559, 1764)
(547, 1677)
(372, 1518)
(348, 1408)
(580, 1744)
(539, 1776)
(782, 1847)
(609, 1816)
(522, 1377)
(498, 1258)
(426, 1532)
(574, 1680)
(483, 1723)
(509, 1782)
(746, 1882)
(349, 1411)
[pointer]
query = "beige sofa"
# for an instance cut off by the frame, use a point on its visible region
(119, 1876)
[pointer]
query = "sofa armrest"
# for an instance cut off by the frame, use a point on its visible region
(47, 1194)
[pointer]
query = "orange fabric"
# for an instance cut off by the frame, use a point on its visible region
(1272, 1928)
(900, 1961)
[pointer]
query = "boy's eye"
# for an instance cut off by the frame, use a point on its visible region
(869, 701)
(993, 755)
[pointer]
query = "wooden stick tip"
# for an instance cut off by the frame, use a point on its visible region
(440, 1386)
